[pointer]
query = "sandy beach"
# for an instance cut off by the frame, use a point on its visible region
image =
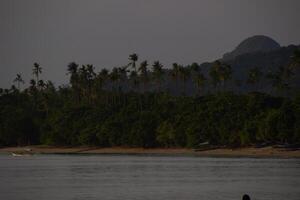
(220, 152)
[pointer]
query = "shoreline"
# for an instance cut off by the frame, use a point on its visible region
(266, 152)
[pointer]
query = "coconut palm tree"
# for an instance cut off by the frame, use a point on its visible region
(175, 74)
(32, 87)
(19, 80)
(214, 74)
(122, 82)
(144, 74)
(225, 74)
(158, 73)
(185, 75)
(99, 84)
(6, 91)
(41, 85)
(220, 73)
(32, 83)
(280, 78)
(199, 79)
(36, 71)
(133, 58)
(90, 80)
(83, 81)
(50, 86)
(73, 71)
(133, 76)
(104, 75)
(123, 75)
(195, 67)
(115, 77)
(90, 72)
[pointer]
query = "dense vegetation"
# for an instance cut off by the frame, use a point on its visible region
(130, 108)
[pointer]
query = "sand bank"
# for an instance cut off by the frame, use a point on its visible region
(219, 152)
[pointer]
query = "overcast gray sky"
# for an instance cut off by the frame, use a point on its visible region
(105, 32)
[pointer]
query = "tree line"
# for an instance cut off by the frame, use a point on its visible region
(131, 106)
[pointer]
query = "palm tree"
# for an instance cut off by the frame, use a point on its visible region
(133, 58)
(90, 80)
(214, 73)
(32, 83)
(123, 80)
(50, 86)
(36, 71)
(32, 87)
(254, 76)
(195, 67)
(220, 73)
(13, 89)
(225, 74)
(73, 71)
(6, 91)
(175, 73)
(199, 79)
(114, 77)
(104, 73)
(134, 79)
(19, 80)
(83, 81)
(144, 74)
(158, 73)
(90, 72)
(74, 80)
(41, 85)
(100, 82)
(123, 75)
(280, 78)
(185, 75)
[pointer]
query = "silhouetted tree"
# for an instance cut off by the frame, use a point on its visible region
(144, 74)
(158, 73)
(199, 79)
(175, 73)
(280, 78)
(36, 71)
(185, 76)
(133, 58)
(19, 80)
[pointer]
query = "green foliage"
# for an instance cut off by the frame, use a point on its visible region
(166, 134)
(94, 110)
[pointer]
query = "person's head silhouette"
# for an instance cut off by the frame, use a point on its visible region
(246, 197)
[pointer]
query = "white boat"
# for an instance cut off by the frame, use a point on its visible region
(16, 155)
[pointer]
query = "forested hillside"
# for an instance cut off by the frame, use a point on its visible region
(131, 106)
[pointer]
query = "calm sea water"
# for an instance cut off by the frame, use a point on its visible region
(129, 177)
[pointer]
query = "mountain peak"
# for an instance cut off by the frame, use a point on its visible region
(258, 43)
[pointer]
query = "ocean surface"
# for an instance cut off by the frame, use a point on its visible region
(147, 177)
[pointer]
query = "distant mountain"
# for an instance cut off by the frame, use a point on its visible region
(255, 52)
(267, 60)
(258, 43)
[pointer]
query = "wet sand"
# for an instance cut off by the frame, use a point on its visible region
(219, 152)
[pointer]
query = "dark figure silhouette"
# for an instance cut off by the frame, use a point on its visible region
(246, 197)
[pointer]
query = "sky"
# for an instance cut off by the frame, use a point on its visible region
(104, 32)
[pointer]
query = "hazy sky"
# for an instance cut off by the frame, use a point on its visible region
(105, 32)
